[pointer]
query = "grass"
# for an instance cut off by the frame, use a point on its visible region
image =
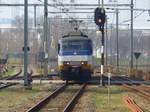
(10, 99)
(41, 71)
(13, 97)
(116, 104)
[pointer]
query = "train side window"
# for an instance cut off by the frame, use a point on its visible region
(90, 46)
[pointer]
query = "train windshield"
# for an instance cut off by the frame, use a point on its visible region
(76, 45)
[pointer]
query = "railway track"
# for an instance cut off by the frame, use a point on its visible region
(146, 87)
(62, 99)
(12, 77)
(36, 77)
(141, 91)
(3, 85)
(121, 80)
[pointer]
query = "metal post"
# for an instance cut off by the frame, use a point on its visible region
(35, 30)
(26, 81)
(0, 48)
(149, 57)
(109, 76)
(111, 44)
(99, 3)
(106, 52)
(46, 37)
(131, 42)
(102, 4)
(102, 52)
(35, 16)
(136, 64)
(117, 40)
(102, 57)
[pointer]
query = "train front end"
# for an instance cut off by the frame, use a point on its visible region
(75, 58)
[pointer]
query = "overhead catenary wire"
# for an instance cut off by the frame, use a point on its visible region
(59, 8)
(149, 8)
(136, 16)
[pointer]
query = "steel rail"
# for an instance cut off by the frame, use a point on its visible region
(10, 78)
(73, 101)
(131, 104)
(43, 102)
(146, 86)
(7, 85)
(144, 94)
(14, 76)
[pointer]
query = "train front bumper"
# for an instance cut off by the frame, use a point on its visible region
(75, 72)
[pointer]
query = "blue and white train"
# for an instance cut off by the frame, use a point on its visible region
(75, 57)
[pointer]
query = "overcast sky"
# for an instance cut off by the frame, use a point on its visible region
(139, 22)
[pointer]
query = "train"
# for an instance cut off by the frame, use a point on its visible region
(75, 53)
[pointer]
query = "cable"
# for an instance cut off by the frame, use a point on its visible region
(40, 1)
(149, 8)
(133, 18)
(135, 13)
(58, 8)
(64, 8)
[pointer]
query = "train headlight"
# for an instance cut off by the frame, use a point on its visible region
(66, 63)
(83, 62)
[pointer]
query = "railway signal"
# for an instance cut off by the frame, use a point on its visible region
(137, 54)
(100, 19)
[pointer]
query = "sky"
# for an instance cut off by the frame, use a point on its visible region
(139, 22)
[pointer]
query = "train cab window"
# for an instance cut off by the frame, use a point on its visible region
(76, 45)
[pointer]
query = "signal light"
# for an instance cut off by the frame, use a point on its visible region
(99, 21)
(99, 17)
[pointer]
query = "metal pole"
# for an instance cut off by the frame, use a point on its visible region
(111, 44)
(109, 76)
(26, 81)
(102, 52)
(117, 39)
(102, 57)
(131, 42)
(102, 4)
(149, 55)
(99, 3)
(35, 16)
(46, 37)
(106, 43)
(35, 30)
(136, 64)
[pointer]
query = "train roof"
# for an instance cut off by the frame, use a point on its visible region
(74, 38)
(75, 34)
